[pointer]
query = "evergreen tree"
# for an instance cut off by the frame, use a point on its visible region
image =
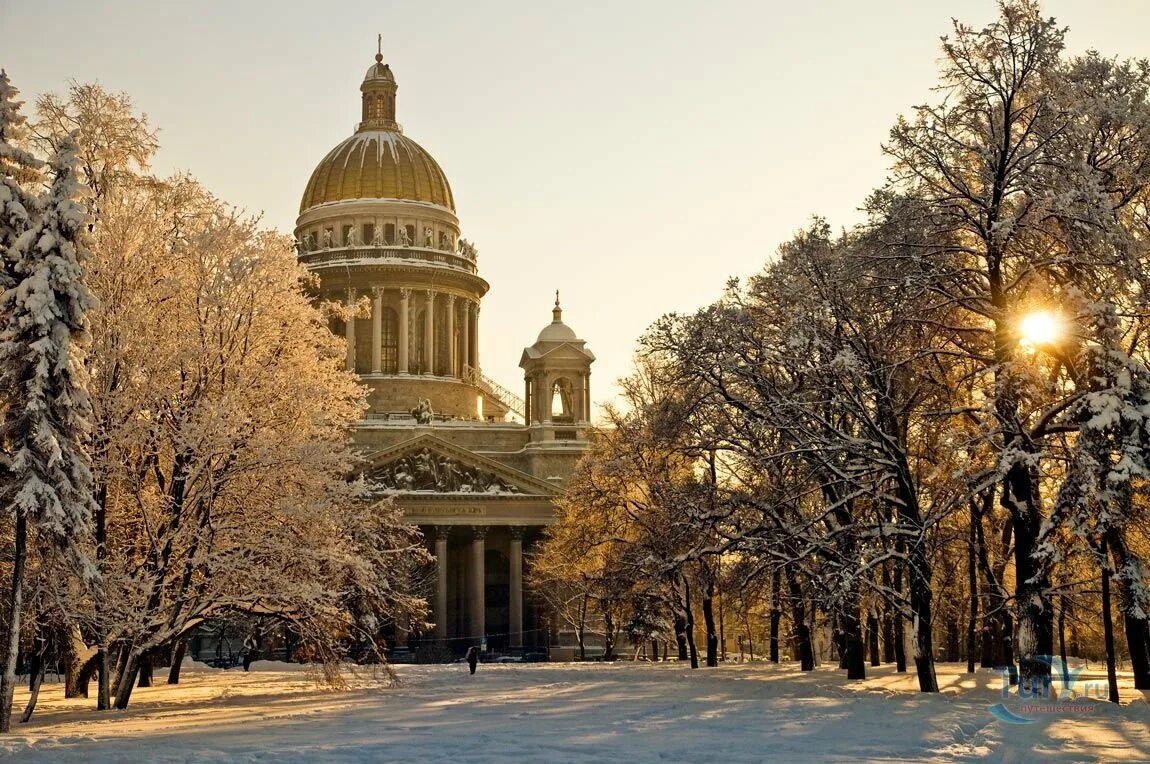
(18, 169)
(47, 489)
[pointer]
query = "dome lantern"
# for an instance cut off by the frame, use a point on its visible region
(378, 94)
(379, 162)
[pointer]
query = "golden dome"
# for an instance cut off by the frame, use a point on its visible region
(378, 164)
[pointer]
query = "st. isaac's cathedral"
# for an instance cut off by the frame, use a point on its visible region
(476, 466)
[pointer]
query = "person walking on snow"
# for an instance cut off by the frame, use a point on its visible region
(472, 658)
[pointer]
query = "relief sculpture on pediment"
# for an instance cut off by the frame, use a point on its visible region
(426, 470)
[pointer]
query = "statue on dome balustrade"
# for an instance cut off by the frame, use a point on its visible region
(352, 238)
(468, 250)
(429, 238)
(422, 412)
(402, 239)
(327, 238)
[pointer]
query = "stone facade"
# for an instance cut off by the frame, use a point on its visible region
(474, 465)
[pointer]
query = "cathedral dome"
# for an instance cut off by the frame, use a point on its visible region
(378, 161)
(378, 164)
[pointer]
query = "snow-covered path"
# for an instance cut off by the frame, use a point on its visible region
(573, 713)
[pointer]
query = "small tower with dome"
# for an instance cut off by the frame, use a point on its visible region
(557, 382)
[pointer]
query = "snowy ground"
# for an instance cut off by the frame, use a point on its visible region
(576, 713)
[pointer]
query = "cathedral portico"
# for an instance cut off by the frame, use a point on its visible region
(475, 466)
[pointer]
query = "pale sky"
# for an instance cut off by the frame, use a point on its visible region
(632, 154)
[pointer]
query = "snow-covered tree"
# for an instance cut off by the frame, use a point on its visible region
(222, 453)
(47, 484)
(19, 172)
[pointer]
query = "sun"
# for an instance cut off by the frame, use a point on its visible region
(1042, 327)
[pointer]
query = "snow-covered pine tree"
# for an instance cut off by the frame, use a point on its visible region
(47, 485)
(19, 170)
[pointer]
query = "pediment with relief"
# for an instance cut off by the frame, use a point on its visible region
(429, 465)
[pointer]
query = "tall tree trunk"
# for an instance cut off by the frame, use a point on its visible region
(918, 570)
(681, 635)
(1075, 645)
(36, 656)
(120, 667)
(804, 648)
(1136, 621)
(1006, 656)
(177, 660)
(103, 664)
(1035, 619)
(776, 614)
(15, 608)
(972, 583)
(997, 627)
(952, 641)
(709, 617)
(79, 663)
(581, 629)
(1021, 499)
(145, 670)
(104, 678)
(128, 678)
(872, 637)
(887, 618)
(608, 634)
(34, 693)
(1062, 641)
(853, 653)
(38, 665)
(694, 653)
(899, 630)
(1108, 624)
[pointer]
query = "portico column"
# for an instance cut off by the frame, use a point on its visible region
(465, 334)
(376, 330)
(441, 534)
(349, 330)
(515, 607)
(404, 305)
(477, 603)
(450, 335)
(429, 334)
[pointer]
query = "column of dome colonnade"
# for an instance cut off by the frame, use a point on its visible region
(458, 323)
